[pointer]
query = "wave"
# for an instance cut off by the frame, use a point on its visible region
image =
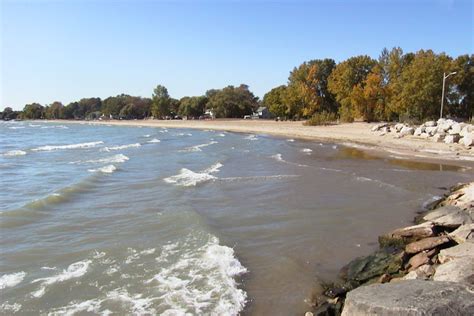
(16, 127)
(251, 137)
(154, 140)
(13, 153)
(198, 147)
(11, 280)
(72, 146)
(259, 178)
(306, 150)
(10, 308)
(105, 169)
(187, 178)
(278, 157)
(75, 270)
(201, 281)
(381, 183)
(147, 135)
(119, 158)
(291, 140)
(55, 126)
(120, 147)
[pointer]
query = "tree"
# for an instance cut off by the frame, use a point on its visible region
(55, 111)
(33, 111)
(344, 78)
(275, 101)
(192, 106)
(461, 95)
(418, 94)
(308, 87)
(160, 102)
(232, 102)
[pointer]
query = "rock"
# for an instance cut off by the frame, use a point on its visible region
(468, 140)
(424, 135)
(308, 314)
(426, 244)
(464, 250)
(455, 129)
(379, 126)
(420, 259)
(438, 138)
(452, 138)
(430, 124)
(419, 131)
(423, 272)
(467, 129)
(384, 278)
(406, 130)
(441, 211)
(401, 236)
(463, 233)
(453, 220)
(457, 270)
(398, 127)
(410, 297)
(363, 269)
(431, 130)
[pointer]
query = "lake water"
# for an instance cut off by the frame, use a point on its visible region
(127, 220)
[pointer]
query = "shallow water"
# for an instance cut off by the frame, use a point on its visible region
(128, 220)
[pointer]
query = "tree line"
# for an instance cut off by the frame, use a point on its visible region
(396, 86)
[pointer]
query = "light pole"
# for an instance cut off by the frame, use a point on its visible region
(442, 93)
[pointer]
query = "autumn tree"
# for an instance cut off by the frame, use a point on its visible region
(275, 101)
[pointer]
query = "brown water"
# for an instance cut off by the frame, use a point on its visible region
(201, 222)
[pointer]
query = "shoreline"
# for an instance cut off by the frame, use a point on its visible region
(355, 135)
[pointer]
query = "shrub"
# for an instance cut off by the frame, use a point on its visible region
(322, 118)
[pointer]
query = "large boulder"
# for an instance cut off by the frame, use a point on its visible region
(438, 138)
(452, 138)
(456, 128)
(420, 259)
(398, 127)
(430, 124)
(453, 220)
(457, 270)
(418, 131)
(468, 140)
(379, 126)
(411, 297)
(462, 233)
(423, 272)
(441, 211)
(401, 236)
(407, 130)
(465, 250)
(431, 130)
(426, 244)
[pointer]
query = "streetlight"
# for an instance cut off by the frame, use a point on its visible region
(442, 94)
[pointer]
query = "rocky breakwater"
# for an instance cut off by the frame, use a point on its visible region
(424, 269)
(443, 130)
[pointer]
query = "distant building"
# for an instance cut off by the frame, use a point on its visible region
(210, 114)
(262, 113)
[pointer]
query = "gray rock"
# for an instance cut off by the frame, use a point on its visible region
(464, 250)
(463, 233)
(468, 140)
(399, 126)
(411, 297)
(456, 128)
(467, 129)
(453, 220)
(431, 130)
(379, 126)
(407, 131)
(419, 131)
(452, 138)
(457, 270)
(430, 124)
(441, 211)
(438, 138)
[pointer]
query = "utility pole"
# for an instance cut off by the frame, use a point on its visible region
(442, 93)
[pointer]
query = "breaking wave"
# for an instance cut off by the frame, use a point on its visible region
(119, 158)
(72, 146)
(11, 280)
(154, 140)
(187, 178)
(251, 137)
(306, 150)
(198, 147)
(13, 153)
(136, 145)
(105, 169)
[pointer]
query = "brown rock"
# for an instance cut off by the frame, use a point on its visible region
(426, 244)
(405, 235)
(384, 278)
(418, 260)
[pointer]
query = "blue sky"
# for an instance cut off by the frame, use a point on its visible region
(66, 50)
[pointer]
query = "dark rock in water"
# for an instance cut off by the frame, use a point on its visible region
(324, 309)
(426, 244)
(366, 268)
(411, 297)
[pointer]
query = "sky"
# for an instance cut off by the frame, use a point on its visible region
(65, 50)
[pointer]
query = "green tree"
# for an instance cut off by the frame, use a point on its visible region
(344, 78)
(232, 102)
(160, 102)
(55, 111)
(33, 111)
(460, 96)
(192, 106)
(275, 101)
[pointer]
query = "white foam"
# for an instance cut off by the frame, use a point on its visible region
(147, 135)
(90, 306)
(306, 150)
(221, 135)
(381, 183)
(277, 157)
(34, 125)
(75, 270)
(251, 137)
(154, 140)
(119, 158)
(72, 146)
(11, 280)
(16, 127)
(136, 303)
(198, 147)
(201, 280)
(105, 169)
(187, 178)
(7, 308)
(290, 140)
(48, 268)
(149, 251)
(13, 153)
(136, 145)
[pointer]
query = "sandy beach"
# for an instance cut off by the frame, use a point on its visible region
(358, 135)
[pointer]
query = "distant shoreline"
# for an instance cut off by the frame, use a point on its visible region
(357, 135)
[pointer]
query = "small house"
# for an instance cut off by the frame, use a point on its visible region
(262, 113)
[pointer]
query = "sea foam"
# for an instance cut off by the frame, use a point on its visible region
(154, 140)
(71, 146)
(198, 147)
(11, 280)
(75, 270)
(105, 169)
(136, 145)
(13, 153)
(187, 178)
(119, 158)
